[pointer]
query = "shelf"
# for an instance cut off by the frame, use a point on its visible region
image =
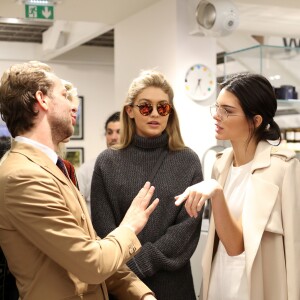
(279, 64)
(292, 146)
(289, 102)
(288, 107)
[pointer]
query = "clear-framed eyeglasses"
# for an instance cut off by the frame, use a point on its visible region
(220, 111)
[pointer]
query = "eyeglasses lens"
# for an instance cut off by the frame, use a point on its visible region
(217, 110)
(213, 110)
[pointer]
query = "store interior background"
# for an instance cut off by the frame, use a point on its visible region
(161, 34)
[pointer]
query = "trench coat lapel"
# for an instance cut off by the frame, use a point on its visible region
(257, 211)
(220, 174)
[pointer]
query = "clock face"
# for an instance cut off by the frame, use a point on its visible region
(200, 82)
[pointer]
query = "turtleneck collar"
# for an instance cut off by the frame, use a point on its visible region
(151, 143)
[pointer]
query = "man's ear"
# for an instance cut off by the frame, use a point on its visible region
(42, 100)
(257, 120)
(129, 110)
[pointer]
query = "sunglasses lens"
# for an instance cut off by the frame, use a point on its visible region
(164, 109)
(145, 109)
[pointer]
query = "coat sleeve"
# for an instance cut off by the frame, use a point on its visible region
(125, 285)
(291, 225)
(174, 249)
(37, 210)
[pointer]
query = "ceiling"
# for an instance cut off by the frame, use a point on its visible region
(257, 17)
(32, 32)
(110, 12)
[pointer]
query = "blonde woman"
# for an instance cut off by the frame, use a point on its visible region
(151, 148)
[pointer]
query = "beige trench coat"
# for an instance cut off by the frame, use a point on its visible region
(271, 224)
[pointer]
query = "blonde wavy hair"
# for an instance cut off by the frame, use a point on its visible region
(149, 78)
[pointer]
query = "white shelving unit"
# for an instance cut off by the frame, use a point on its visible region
(280, 65)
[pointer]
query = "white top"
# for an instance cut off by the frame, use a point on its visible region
(228, 279)
(84, 176)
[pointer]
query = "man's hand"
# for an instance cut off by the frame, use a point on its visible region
(148, 297)
(139, 211)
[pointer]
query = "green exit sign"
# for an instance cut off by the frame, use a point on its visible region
(40, 12)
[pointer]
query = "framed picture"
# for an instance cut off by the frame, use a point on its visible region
(75, 155)
(78, 128)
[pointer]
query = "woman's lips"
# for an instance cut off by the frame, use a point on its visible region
(218, 128)
(154, 124)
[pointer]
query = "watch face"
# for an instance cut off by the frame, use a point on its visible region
(200, 82)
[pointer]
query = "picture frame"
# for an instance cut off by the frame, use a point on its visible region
(75, 155)
(79, 126)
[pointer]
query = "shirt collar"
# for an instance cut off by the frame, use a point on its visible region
(48, 151)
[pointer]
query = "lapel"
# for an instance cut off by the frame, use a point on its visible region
(257, 208)
(40, 158)
(220, 173)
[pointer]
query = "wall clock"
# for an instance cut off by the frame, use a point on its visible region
(200, 82)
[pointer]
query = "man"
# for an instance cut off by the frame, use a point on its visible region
(85, 171)
(112, 129)
(45, 230)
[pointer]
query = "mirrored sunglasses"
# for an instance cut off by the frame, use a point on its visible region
(146, 109)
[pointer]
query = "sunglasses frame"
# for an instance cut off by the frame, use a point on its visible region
(150, 107)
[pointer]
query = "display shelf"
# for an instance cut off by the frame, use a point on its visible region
(288, 106)
(279, 64)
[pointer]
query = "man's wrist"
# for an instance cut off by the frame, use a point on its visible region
(148, 296)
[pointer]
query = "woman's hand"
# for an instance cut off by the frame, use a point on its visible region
(196, 195)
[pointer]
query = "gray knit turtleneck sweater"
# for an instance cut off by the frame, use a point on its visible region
(170, 236)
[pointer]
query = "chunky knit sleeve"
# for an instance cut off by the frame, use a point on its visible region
(103, 217)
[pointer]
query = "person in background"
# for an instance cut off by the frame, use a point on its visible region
(112, 129)
(45, 230)
(151, 148)
(253, 244)
(85, 171)
(8, 288)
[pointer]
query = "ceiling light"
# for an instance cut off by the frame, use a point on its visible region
(39, 2)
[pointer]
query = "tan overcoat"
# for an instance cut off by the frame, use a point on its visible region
(48, 239)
